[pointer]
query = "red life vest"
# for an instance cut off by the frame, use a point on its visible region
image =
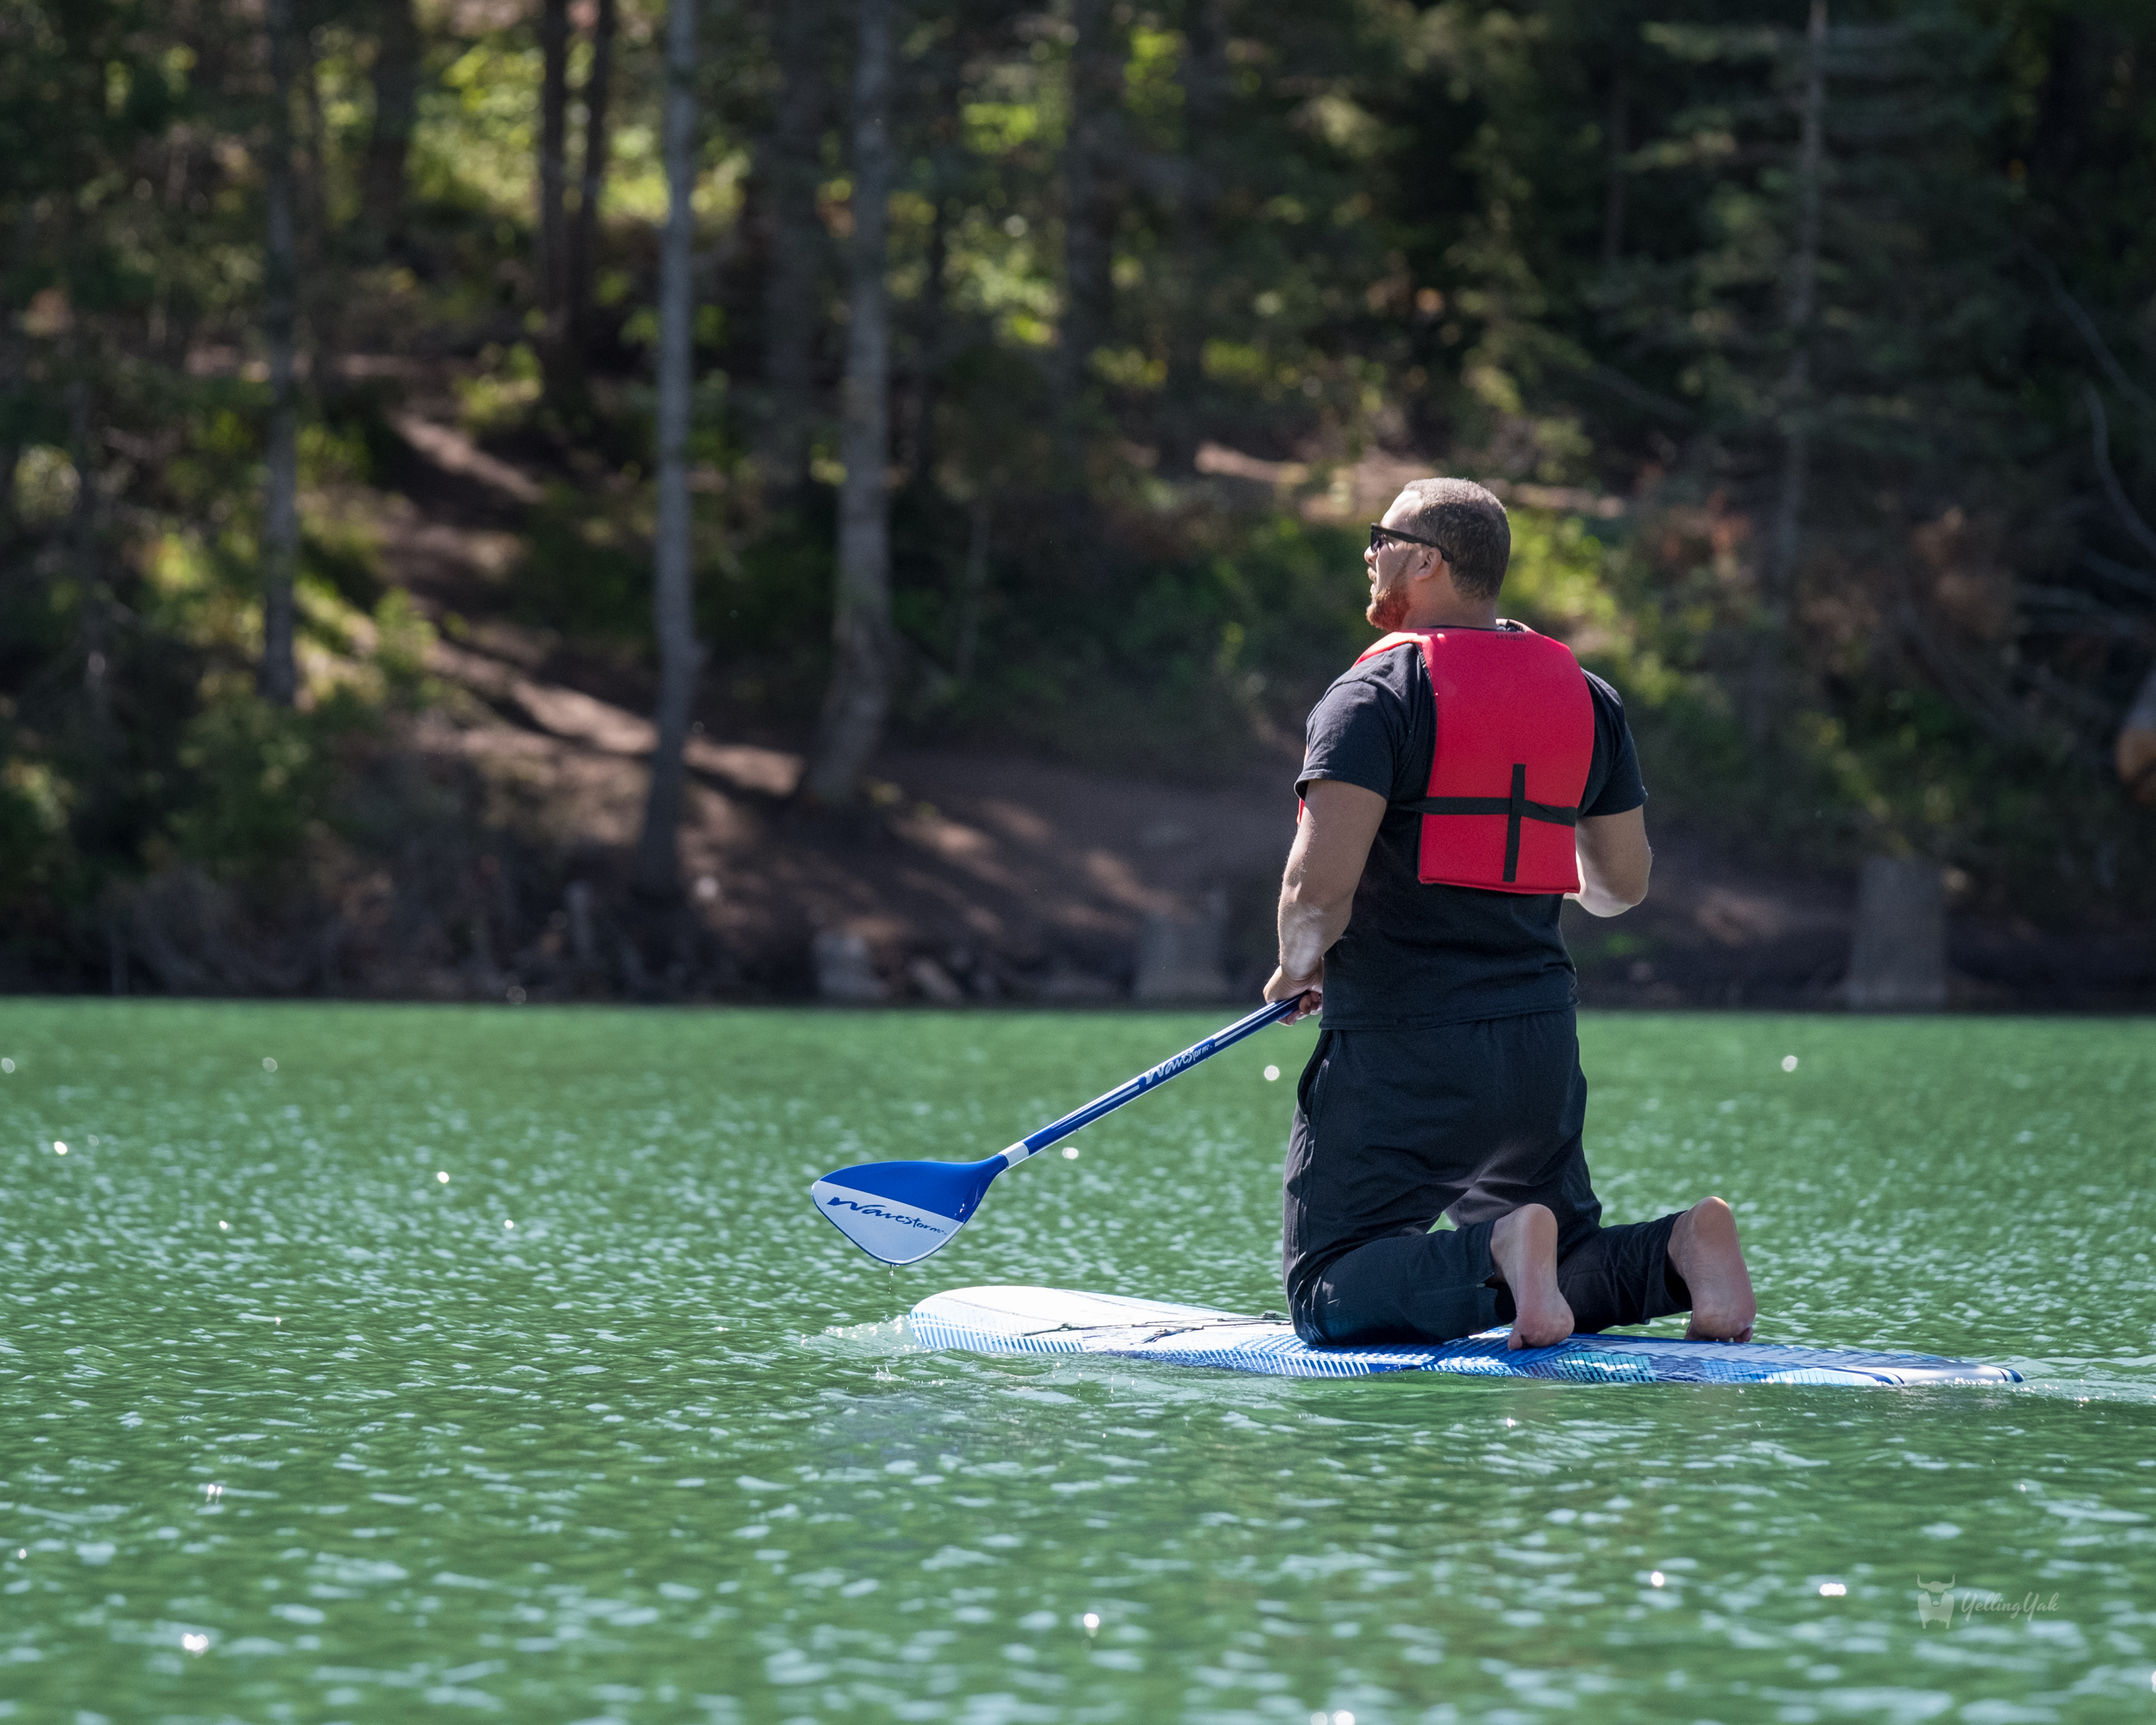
(1515, 742)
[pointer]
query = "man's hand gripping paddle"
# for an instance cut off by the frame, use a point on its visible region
(900, 1212)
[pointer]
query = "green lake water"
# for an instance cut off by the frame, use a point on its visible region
(291, 1428)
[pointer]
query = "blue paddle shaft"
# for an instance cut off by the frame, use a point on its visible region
(900, 1212)
(1057, 1130)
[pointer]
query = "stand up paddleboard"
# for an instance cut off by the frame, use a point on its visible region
(1054, 1321)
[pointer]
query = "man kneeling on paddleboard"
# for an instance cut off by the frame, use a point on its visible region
(1461, 780)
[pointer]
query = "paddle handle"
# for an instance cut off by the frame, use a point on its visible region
(1057, 1130)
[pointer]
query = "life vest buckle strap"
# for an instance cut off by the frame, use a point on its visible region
(1512, 817)
(1516, 808)
(1550, 813)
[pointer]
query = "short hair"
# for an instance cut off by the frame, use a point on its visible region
(1471, 524)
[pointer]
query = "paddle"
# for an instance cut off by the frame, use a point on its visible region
(900, 1212)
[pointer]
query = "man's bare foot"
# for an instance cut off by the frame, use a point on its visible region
(1525, 1246)
(1703, 1247)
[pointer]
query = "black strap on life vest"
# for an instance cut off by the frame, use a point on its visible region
(1516, 808)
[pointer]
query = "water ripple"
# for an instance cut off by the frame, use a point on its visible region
(607, 1425)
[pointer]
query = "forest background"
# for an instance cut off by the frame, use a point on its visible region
(850, 374)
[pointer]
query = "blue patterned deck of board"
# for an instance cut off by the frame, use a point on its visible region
(1051, 1321)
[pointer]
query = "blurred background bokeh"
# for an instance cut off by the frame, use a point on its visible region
(999, 394)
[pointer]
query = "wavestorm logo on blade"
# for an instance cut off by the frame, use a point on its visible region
(1935, 1602)
(882, 1214)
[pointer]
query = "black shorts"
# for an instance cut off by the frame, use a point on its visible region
(1394, 1129)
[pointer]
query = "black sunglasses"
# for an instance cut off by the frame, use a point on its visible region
(1380, 534)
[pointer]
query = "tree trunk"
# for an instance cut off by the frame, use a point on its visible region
(2072, 98)
(976, 587)
(658, 872)
(2134, 749)
(791, 290)
(2114, 493)
(277, 676)
(322, 248)
(934, 305)
(11, 370)
(1618, 142)
(1770, 639)
(860, 693)
(1206, 90)
(1089, 215)
(1897, 962)
(95, 600)
(549, 255)
(310, 154)
(592, 183)
(396, 78)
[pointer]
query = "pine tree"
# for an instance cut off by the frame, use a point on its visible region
(658, 871)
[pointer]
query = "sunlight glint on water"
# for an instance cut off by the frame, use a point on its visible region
(296, 1427)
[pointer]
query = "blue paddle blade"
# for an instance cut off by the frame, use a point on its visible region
(900, 1212)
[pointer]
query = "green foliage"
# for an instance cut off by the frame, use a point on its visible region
(1188, 665)
(586, 571)
(1549, 243)
(1888, 767)
(770, 605)
(502, 390)
(765, 606)
(259, 777)
(36, 854)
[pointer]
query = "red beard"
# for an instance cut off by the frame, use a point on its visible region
(1387, 609)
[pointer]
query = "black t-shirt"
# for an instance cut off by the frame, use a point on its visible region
(1416, 954)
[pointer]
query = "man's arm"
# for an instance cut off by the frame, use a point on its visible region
(1317, 893)
(1615, 862)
